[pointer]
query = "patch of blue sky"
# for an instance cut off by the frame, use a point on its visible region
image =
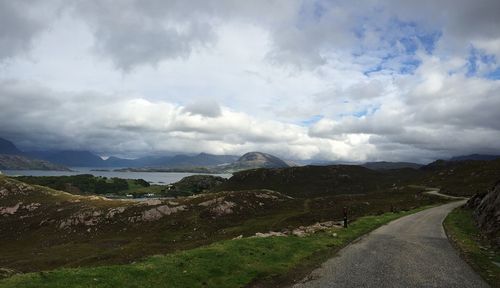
(373, 69)
(399, 44)
(410, 44)
(487, 58)
(360, 113)
(493, 75)
(366, 111)
(409, 66)
(471, 63)
(429, 40)
(310, 121)
(479, 57)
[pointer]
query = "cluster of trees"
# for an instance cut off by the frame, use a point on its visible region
(141, 182)
(85, 183)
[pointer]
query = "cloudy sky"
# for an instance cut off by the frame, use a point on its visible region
(333, 80)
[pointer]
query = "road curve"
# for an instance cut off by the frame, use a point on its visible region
(412, 251)
(435, 192)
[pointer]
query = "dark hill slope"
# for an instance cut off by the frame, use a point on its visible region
(7, 147)
(462, 178)
(475, 157)
(383, 165)
(18, 162)
(76, 158)
(311, 181)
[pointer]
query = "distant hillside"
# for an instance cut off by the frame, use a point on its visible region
(194, 184)
(89, 159)
(17, 162)
(75, 158)
(7, 147)
(309, 181)
(207, 163)
(462, 178)
(200, 160)
(475, 157)
(260, 160)
(11, 158)
(254, 160)
(383, 165)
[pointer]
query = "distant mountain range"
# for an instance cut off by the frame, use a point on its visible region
(11, 158)
(250, 160)
(18, 162)
(203, 162)
(475, 157)
(7, 147)
(88, 159)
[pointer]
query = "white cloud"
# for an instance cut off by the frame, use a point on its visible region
(389, 80)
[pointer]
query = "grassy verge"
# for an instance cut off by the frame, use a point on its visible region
(475, 250)
(231, 263)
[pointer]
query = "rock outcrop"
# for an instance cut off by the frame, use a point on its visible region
(486, 213)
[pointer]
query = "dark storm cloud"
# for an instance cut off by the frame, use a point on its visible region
(132, 33)
(19, 24)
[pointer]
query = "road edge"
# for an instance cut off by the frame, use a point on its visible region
(463, 253)
(297, 274)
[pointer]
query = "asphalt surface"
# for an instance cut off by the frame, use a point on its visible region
(435, 191)
(412, 251)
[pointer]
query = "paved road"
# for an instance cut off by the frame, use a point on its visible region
(412, 251)
(435, 191)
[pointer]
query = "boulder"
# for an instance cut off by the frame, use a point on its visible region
(486, 213)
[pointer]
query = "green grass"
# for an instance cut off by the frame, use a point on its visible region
(230, 263)
(465, 236)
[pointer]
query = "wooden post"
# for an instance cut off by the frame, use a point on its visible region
(345, 217)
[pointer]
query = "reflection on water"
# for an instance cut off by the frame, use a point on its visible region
(152, 177)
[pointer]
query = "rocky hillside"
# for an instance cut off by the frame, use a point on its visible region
(486, 208)
(17, 162)
(44, 221)
(254, 160)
